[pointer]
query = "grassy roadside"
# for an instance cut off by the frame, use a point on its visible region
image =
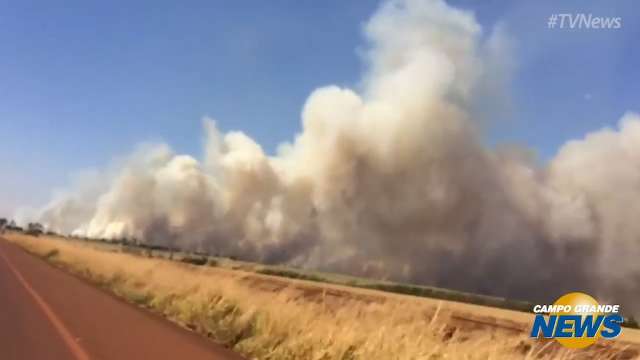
(284, 324)
(328, 278)
(320, 277)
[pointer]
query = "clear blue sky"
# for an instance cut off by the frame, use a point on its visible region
(83, 81)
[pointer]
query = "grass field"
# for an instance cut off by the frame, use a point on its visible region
(294, 273)
(244, 307)
(316, 276)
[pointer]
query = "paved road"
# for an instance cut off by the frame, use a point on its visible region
(46, 314)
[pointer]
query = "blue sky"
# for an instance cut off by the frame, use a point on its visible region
(84, 82)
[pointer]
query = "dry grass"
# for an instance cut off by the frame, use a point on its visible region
(263, 321)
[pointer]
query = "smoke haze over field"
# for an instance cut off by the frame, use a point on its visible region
(394, 180)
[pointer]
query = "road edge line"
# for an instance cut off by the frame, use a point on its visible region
(69, 340)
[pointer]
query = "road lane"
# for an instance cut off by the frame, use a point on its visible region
(25, 331)
(90, 322)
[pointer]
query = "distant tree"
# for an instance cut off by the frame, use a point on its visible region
(3, 222)
(12, 226)
(35, 229)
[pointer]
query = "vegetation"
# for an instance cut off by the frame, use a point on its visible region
(407, 289)
(13, 227)
(292, 274)
(35, 229)
(195, 260)
(200, 259)
(631, 322)
(265, 317)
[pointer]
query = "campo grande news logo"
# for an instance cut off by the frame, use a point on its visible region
(576, 321)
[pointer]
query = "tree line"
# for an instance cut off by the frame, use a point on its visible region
(33, 228)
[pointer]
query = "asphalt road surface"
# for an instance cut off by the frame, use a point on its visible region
(47, 314)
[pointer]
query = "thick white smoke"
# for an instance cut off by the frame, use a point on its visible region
(394, 181)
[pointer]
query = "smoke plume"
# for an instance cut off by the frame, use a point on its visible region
(394, 180)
